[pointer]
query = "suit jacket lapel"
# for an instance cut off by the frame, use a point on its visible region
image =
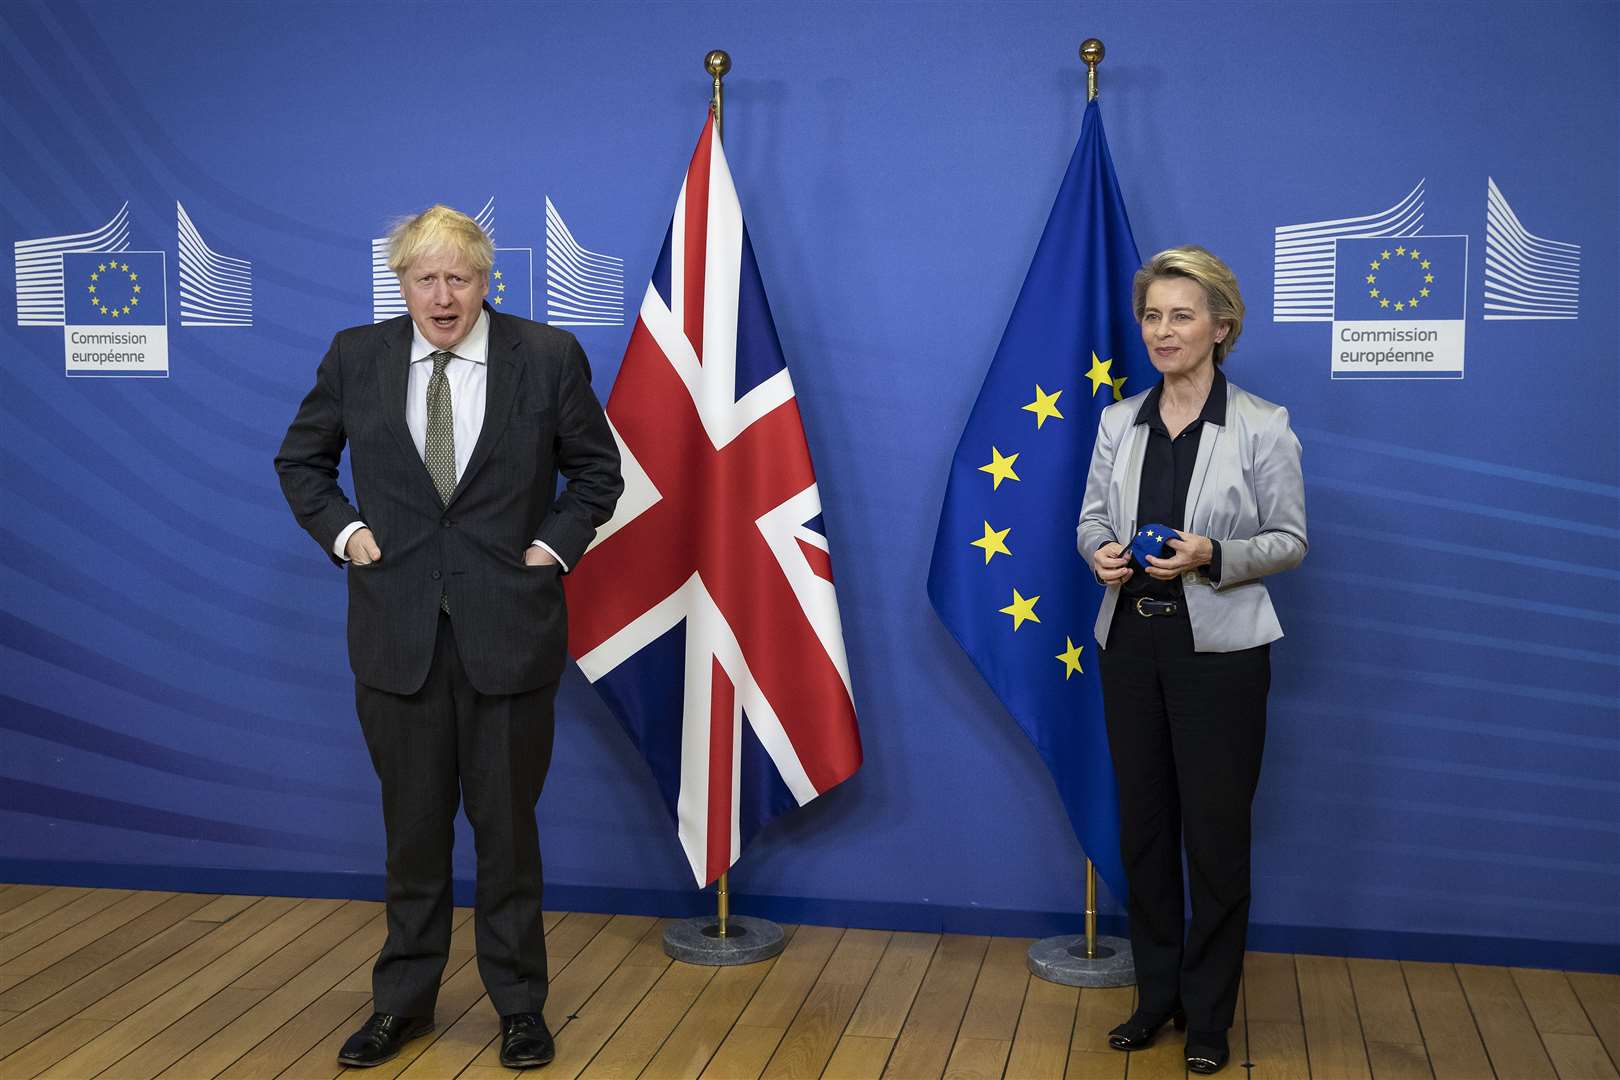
(393, 381)
(1135, 453)
(500, 390)
(1212, 435)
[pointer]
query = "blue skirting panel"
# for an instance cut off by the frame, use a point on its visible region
(924, 918)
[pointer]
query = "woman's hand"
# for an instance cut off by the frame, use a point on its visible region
(1111, 564)
(1191, 552)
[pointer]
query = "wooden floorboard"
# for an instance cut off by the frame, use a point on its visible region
(130, 985)
(1600, 996)
(924, 1043)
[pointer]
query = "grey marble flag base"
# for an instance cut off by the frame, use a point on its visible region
(1063, 960)
(747, 941)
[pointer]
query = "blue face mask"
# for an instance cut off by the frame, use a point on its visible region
(1151, 540)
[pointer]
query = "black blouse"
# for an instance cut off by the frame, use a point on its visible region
(1167, 468)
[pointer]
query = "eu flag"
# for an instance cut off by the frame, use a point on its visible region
(1006, 577)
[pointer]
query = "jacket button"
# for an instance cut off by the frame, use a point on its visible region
(446, 522)
(436, 575)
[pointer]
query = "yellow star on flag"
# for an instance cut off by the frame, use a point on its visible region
(1021, 610)
(102, 267)
(1399, 306)
(1044, 406)
(1429, 278)
(1373, 293)
(1383, 254)
(1119, 385)
(501, 287)
(498, 299)
(137, 288)
(1423, 292)
(497, 275)
(1416, 253)
(1400, 251)
(994, 542)
(124, 268)
(1384, 302)
(1099, 375)
(1371, 278)
(1000, 467)
(1071, 658)
(1424, 264)
(1375, 264)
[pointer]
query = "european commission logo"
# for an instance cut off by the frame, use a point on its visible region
(583, 288)
(1398, 307)
(1397, 296)
(116, 314)
(93, 286)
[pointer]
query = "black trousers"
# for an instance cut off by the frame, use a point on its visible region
(1185, 730)
(442, 745)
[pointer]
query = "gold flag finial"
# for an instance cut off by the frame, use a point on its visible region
(717, 63)
(1091, 51)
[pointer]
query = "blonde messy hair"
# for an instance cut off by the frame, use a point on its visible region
(1215, 277)
(439, 229)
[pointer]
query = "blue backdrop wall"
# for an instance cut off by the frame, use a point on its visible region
(1443, 768)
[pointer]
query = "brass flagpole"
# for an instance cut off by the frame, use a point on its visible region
(725, 940)
(1069, 960)
(717, 63)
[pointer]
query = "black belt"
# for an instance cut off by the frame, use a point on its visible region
(1148, 607)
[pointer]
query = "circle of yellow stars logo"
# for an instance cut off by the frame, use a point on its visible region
(115, 289)
(500, 289)
(1388, 260)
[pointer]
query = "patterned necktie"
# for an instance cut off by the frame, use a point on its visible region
(440, 451)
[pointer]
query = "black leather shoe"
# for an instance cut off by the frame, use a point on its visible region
(380, 1038)
(1206, 1051)
(1137, 1033)
(526, 1041)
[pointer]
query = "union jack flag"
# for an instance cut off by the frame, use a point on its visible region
(704, 611)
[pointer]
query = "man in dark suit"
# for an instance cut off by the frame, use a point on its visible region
(458, 419)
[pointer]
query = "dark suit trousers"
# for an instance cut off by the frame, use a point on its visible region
(445, 744)
(1185, 730)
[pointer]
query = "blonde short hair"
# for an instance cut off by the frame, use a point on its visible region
(439, 229)
(1220, 287)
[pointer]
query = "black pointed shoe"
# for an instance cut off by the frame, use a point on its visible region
(526, 1041)
(1206, 1051)
(380, 1038)
(1137, 1033)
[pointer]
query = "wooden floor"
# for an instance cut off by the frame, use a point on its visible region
(121, 984)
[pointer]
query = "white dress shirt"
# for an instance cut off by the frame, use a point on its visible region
(468, 375)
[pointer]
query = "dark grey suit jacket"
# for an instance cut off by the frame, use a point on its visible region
(540, 418)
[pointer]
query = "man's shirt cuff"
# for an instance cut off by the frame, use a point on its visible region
(543, 546)
(340, 546)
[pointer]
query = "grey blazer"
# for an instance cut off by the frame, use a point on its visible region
(1247, 491)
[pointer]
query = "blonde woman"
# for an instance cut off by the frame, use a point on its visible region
(1186, 636)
